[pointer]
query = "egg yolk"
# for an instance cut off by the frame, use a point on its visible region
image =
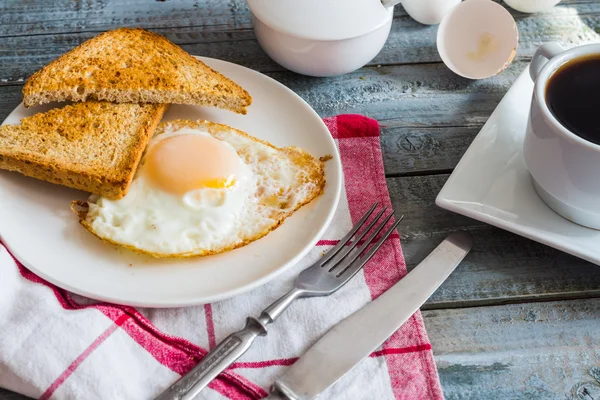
(183, 163)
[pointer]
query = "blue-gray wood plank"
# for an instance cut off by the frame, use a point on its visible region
(543, 346)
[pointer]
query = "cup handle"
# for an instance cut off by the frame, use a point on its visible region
(544, 53)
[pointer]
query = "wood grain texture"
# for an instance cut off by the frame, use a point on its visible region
(501, 268)
(398, 96)
(33, 36)
(536, 349)
(511, 352)
(39, 17)
(428, 115)
(532, 351)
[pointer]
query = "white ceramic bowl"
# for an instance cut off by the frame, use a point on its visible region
(428, 12)
(316, 52)
(532, 6)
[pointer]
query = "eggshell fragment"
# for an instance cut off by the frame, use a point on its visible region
(477, 39)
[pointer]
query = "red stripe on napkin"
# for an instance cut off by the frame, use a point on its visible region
(389, 350)
(407, 353)
(73, 366)
(411, 377)
(352, 126)
(177, 354)
(210, 327)
(289, 361)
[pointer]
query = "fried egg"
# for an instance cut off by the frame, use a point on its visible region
(204, 188)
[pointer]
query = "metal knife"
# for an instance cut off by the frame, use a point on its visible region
(357, 336)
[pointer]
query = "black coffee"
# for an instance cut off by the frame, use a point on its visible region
(573, 96)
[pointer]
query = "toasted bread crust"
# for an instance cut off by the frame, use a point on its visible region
(298, 156)
(91, 146)
(133, 66)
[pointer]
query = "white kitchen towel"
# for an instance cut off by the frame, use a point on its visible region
(56, 345)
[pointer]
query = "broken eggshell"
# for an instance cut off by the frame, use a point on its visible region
(477, 39)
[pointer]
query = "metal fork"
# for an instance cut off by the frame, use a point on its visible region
(324, 277)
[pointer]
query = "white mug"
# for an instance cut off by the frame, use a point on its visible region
(565, 167)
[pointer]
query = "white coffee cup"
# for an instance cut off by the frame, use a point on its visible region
(565, 167)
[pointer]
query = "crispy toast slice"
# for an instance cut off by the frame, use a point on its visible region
(92, 146)
(128, 65)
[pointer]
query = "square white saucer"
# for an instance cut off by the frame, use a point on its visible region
(491, 182)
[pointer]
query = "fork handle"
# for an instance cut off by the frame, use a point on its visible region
(215, 362)
(229, 350)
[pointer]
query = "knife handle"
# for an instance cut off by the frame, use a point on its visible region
(215, 362)
(229, 350)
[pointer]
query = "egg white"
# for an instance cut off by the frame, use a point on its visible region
(207, 220)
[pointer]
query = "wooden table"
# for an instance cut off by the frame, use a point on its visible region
(517, 320)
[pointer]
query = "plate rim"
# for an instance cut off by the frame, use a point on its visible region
(336, 186)
(443, 201)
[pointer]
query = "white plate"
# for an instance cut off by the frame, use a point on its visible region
(492, 184)
(38, 227)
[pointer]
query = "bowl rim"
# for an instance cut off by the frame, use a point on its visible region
(288, 32)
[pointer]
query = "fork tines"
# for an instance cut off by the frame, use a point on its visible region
(348, 257)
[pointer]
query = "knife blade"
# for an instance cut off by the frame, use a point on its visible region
(357, 336)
